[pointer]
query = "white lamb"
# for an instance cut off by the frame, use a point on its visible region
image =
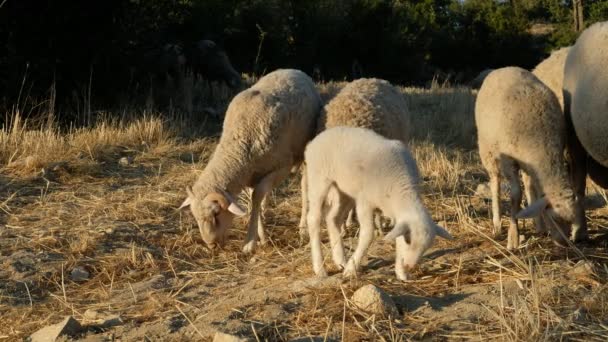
(372, 173)
(366, 103)
(265, 132)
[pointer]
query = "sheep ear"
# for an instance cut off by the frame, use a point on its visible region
(534, 209)
(188, 201)
(398, 230)
(234, 207)
(442, 232)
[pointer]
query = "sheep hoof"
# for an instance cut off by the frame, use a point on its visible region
(350, 271)
(403, 276)
(321, 273)
(249, 247)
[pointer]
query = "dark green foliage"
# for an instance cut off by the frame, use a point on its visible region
(103, 44)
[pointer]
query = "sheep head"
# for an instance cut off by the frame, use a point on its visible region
(417, 240)
(213, 213)
(559, 211)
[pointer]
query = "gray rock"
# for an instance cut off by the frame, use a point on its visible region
(582, 268)
(125, 161)
(373, 299)
(68, 327)
(79, 273)
(99, 320)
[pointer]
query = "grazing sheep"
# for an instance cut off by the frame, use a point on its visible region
(366, 170)
(265, 132)
(207, 59)
(520, 126)
(586, 111)
(551, 72)
(367, 103)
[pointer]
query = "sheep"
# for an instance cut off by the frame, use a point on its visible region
(367, 103)
(368, 171)
(264, 135)
(586, 111)
(520, 126)
(551, 72)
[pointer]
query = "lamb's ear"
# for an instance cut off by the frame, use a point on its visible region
(443, 233)
(188, 199)
(234, 207)
(534, 209)
(398, 230)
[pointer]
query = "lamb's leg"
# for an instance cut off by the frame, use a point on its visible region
(511, 172)
(316, 196)
(495, 189)
(531, 196)
(304, 190)
(400, 246)
(348, 223)
(365, 214)
(334, 219)
(259, 193)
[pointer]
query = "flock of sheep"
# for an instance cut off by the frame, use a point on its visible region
(355, 155)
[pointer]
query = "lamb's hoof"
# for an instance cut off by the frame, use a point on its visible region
(340, 263)
(403, 276)
(350, 271)
(249, 247)
(322, 273)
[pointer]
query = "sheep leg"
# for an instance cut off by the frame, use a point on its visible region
(511, 171)
(365, 214)
(579, 183)
(333, 219)
(347, 223)
(495, 189)
(304, 190)
(400, 246)
(261, 229)
(317, 193)
(259, 193)
(531, 196)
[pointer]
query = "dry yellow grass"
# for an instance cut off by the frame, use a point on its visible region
(67, 200)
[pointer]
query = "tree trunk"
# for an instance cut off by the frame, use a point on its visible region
(577, 12)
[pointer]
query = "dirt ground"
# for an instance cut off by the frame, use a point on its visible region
(89, 224)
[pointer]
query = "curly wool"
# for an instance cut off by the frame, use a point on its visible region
(551, 72)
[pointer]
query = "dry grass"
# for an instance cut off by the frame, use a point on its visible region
(66, 200)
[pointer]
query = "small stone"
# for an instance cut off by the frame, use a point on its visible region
(582, 268)
(223, 337)
(79, 273)
(110, 321)
(69, 326)
(91, 315)
(483, 191)
(125, 161)
(373, 299)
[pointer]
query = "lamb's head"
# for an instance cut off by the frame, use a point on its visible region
(558, 209)
(213, 213)
(418, 238)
